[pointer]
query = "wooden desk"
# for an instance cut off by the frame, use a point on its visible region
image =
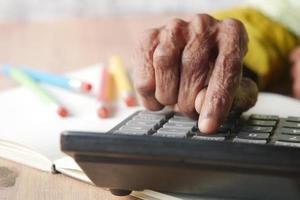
(61, 46)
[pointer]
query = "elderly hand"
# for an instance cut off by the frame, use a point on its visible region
(195, 66)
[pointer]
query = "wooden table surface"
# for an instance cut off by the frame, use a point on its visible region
(60, 46)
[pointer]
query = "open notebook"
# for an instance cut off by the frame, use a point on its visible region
(29, 131)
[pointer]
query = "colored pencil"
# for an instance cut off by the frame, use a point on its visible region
(57, 80)
(122, 81)
(104, 93)
(25, 80)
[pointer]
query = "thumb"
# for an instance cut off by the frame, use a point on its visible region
(246, 95)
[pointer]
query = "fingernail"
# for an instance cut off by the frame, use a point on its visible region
(208, 125)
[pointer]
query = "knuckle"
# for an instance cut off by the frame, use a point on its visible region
(235, 24)
(165, 57)
(145, 87)
(203, 22)
(148, 37)
(236, 31)
(175, 24)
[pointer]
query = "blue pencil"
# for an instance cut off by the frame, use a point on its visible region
(56, 80)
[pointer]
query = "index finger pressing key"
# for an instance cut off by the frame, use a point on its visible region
(226, 76)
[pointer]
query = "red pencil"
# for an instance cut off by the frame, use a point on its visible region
(103, 96)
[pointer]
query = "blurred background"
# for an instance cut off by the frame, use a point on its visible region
(64, 35)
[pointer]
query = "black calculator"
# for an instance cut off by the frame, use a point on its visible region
(249, 157)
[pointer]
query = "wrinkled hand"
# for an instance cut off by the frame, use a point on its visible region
(195, 66)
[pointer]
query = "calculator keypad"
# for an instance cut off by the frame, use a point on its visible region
(257, 129)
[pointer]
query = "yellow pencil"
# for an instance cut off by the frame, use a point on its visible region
(122, 81)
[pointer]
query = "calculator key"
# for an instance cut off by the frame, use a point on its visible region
(289, 131)
(166, 114)
(183, 121)
(289, 144)
(241, 140)
(183, 118)
(143, 123)
(291, 124)
(177, 125)
(140, 130)
(261, 123)
(288, 138)
(293, 119)
(131, 132)
(255, 136)
(214, 137)
(265, 117)
(159, 118)
(165, 133)
(174, 130)
(257, 129)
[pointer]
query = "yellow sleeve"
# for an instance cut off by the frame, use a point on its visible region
(269, 44)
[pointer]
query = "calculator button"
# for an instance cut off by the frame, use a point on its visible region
(293, 119)
(166, 114)
(214, 137)
(261, 123)
(183, 118)
(288, 138)
(174, 130)
(178, 125)
(241, 140)
(164, 132)
(257, 129)
(141, 130)
(131, 132)
(151, 124)
(291, 124)
(160, 119)
(182, 121)
(255, 136)
(289, 131)
(265, 117)
(289, 144)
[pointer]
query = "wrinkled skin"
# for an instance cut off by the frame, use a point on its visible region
(196, 67)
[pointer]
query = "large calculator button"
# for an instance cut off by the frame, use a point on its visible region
(257, 129)
(265, 117)
(158, 118)
(165, 132)
(289, 144)
(291, 124)
(214, 137)
(152, 124)
(166, 114)
(242, 140)
(182, 121)
(131, 132)
(293, 119)
(288, 138)
(140, 130)
(178, 125)
(289, 131)
(261, 123)
(253, 136)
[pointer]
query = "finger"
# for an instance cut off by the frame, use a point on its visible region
(226, 76)
(166, 62)
(246, 96)
(200, 100)
(295, 55)
(144, 76)
(195, 62)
